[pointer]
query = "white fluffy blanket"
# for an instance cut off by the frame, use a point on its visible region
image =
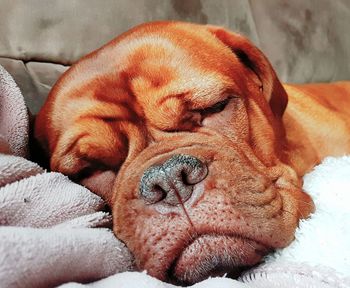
(51, 229)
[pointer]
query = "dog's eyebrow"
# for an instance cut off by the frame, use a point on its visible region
(108, 111)
(176, 96)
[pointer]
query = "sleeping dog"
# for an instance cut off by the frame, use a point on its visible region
(187, 133)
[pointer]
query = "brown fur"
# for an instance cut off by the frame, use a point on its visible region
(135, 102)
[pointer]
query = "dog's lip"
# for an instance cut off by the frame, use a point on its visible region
(212, 261)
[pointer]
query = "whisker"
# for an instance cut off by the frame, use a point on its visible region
(291, 213)
(250, 245)
(308, 203)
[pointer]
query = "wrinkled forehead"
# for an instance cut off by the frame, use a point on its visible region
(192, 42)
(174, 61)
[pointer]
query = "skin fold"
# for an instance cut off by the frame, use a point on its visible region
(200, 110)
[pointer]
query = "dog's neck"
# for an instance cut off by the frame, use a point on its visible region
(307, 145)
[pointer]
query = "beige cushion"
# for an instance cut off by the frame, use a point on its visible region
(307, 41)
(63, 31)
(35, 79)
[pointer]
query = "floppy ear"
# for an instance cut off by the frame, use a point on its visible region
(256, 61)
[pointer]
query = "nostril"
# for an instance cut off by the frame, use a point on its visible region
(154, 185)
(195, 174)
(188, 168)
(184, 178)
(159, 193)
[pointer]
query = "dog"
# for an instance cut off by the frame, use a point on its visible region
(197, 147)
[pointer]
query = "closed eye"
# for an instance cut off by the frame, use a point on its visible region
(216, 108)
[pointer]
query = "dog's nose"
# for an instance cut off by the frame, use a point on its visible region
(172, 182)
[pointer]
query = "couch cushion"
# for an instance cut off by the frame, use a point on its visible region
(35, 79)
(307, 41)
(63, 31)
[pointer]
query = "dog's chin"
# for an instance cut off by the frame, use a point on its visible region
(215, 255)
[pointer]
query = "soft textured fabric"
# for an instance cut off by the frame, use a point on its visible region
(305, 40)
(324, 238)
(13, 117)
(32, 257)
(276, 275)
(46, 235)
(138, 280)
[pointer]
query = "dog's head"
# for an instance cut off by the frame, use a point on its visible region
(179, 127)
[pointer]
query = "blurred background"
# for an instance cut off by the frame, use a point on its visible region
(306, 41)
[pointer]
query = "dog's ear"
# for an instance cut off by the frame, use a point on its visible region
(256, 61)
